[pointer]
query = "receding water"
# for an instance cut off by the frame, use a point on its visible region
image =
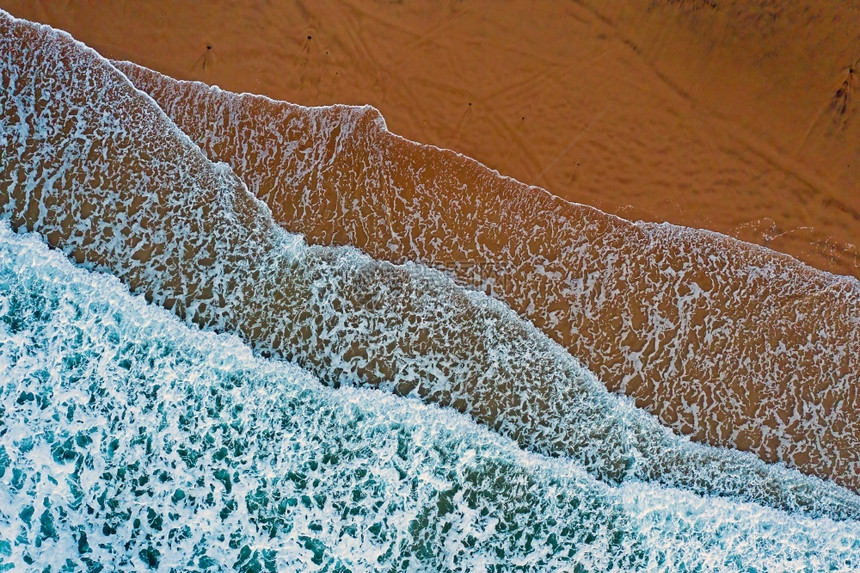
(134, 434)
(129, 439)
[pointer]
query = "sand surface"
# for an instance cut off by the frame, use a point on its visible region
(106, 425)
(736, 345)
(740, 117)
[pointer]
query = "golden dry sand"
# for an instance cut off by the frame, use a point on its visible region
(736, 116)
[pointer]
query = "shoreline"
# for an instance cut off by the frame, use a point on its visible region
(632, 301)
(580, 101)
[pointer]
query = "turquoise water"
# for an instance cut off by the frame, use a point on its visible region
(130, 440)
(133, 435)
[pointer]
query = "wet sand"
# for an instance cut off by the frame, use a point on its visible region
(733, 344)
(97, 169)
(739, 117)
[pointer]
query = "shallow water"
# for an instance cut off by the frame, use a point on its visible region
(111, 406)
(130, 440)
(731, 343)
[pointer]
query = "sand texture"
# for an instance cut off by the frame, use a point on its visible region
(734, 344)
(739, 117)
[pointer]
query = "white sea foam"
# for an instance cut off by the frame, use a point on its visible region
(100, 172)
(733, 343)
(128, 440)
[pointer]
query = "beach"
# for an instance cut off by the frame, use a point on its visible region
(461, 286)
(725, 116)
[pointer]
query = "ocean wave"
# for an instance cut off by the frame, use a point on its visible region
(96, 168)
(731, 343)
(129, 440)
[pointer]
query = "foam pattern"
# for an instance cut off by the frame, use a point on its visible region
(733, 344)
(95, 167)
(130, 441)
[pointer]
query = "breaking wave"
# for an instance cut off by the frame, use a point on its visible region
(733, 344)
(129, 440)
(130, 437)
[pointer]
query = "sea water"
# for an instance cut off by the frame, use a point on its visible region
(130, 440)
(193, 450)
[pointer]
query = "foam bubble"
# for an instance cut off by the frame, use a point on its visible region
(102, 174)
(129, 440)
